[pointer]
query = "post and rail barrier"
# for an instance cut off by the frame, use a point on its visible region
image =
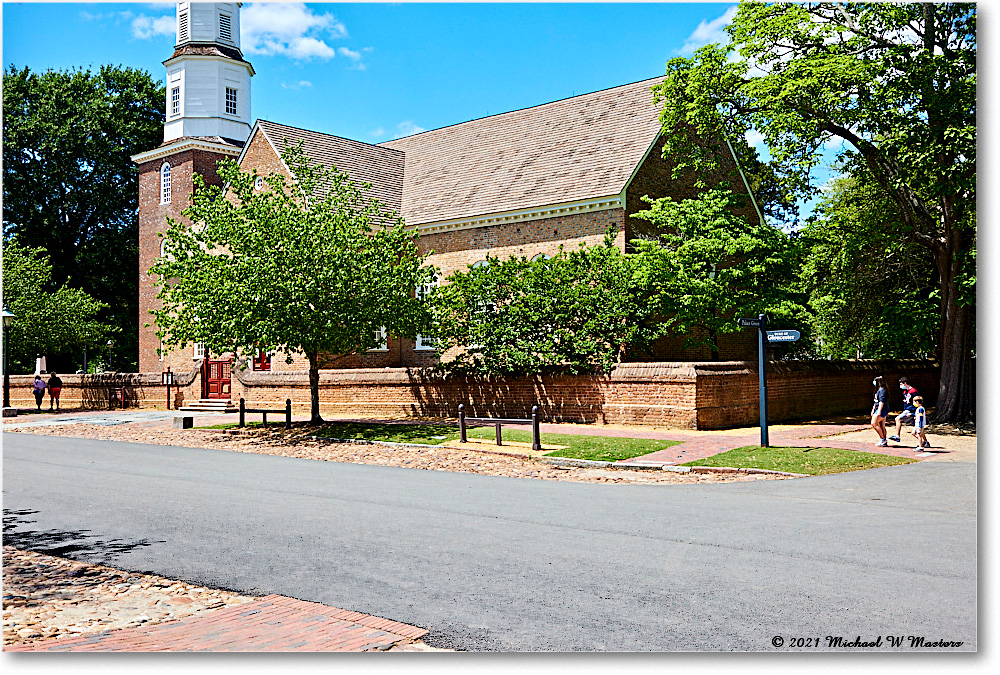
(536, 443)
(287, 411)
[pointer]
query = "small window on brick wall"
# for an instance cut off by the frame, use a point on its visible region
(262, 361)
(425, 343)
(198, 350)
(383, 341)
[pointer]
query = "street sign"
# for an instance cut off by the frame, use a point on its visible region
(782, 335)
(748, 323)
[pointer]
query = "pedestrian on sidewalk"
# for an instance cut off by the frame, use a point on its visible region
(880, 410)
(920, 424)
(55, 388)
(909, 409)
(38, 389)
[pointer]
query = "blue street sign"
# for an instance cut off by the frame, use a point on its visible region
(782, 335)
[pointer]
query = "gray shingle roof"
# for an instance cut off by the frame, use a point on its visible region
(576, 148)
(362, 162)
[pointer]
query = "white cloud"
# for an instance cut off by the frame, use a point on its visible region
(755, 138)
(145, 27)
(708, 32)
(407, 128)
(378, 133)
(344, 51)
(289, 29)
(295, 86)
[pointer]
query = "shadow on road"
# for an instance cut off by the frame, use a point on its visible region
(17, 532)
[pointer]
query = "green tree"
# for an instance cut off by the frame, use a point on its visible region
(305, 266)
(871, 288)
(47, 321)
(577, 311)
(69, 186)
(896, 84)
(710, 265)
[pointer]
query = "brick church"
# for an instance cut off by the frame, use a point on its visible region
(519, 183)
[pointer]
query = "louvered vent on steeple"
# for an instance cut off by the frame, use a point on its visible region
(226, 27)
(183, 27)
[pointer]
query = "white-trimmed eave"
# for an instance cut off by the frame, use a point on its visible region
(638, 166)
(182, 144)
(569, 208)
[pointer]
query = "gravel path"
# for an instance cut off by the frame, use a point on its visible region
(294, 444)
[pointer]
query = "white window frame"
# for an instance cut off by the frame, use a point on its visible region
(175, 101)
(424, 344)
(540, 257)
(160, 350)
(165, 183)
(383, 338)
(198, 350)
(235, 101)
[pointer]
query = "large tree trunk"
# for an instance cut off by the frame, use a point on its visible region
(956, 402)
(314, 388)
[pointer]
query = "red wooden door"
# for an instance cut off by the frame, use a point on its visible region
(217, 378)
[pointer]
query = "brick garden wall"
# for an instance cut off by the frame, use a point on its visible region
(683, 395)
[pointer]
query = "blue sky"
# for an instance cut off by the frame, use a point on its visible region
(373, 72)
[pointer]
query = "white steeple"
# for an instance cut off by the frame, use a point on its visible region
(208, 81)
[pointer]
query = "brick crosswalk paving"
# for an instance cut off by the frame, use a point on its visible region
(273, 623)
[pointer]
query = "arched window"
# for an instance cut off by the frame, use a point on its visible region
(165, 183)
(163, 247)
(481, 263)
(540, 257)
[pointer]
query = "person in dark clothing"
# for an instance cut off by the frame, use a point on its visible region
(880, 410)
(38, 389)
(55, 388)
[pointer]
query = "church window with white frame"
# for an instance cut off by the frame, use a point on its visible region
(175, 101)
(383, 341)
(198, 350)
(230, 101)
(424, 343)
(165, 183)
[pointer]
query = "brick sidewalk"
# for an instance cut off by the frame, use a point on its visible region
(273, 623)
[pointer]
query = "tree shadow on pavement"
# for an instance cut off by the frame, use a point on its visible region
(17, 532)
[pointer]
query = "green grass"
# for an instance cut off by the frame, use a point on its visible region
(812, 461)
(430, 434)
(601, 448)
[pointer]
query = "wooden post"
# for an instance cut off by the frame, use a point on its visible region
(288, 413)
(461, 423)
(498, 434)
(243, 413)
(536, 436)
(265, 419)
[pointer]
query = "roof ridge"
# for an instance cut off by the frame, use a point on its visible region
(528, 107)
(323, 133)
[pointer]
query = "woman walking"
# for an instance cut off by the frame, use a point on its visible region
(38, 389)
(880, 410)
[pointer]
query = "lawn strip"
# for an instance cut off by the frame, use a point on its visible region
(812, 461)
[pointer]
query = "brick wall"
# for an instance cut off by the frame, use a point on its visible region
(713, 395)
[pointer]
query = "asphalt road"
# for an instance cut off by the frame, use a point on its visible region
(490, 563)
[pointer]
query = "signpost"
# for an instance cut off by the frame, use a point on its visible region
(764, 337)
(167, 378)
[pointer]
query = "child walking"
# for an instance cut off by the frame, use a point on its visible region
(920, 424)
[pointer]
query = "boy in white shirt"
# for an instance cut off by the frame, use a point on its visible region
(920, 423)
